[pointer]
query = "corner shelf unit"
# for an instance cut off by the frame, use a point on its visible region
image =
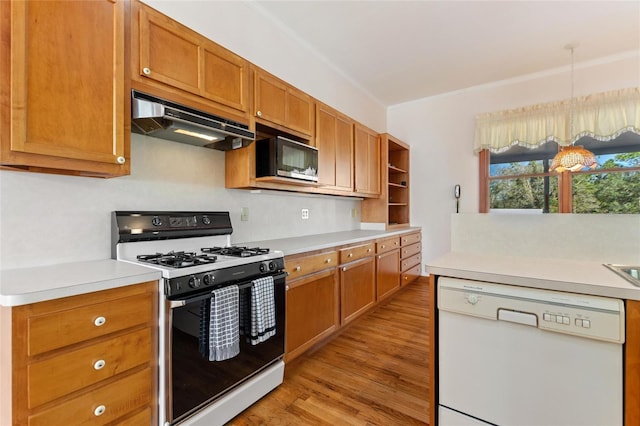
(392, 208)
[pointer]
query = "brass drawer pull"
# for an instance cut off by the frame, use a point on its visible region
(99, 364)
(100, 409)
(98, 322)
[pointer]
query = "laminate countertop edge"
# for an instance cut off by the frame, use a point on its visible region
(583, 277)
(30, 285)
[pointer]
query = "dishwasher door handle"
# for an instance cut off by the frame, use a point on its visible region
(523, 318)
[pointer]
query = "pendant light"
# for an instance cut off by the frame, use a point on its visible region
(573, 157)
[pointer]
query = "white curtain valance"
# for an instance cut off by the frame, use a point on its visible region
(602, 116)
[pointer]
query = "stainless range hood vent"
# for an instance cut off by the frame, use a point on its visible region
(164, 119)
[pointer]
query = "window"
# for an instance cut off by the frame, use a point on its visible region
(518, 179)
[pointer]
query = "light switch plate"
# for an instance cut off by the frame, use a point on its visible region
(244, 214)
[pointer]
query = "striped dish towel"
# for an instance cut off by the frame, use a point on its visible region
(263, 310)
(224, 338)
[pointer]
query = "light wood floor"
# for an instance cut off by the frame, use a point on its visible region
(374, 373)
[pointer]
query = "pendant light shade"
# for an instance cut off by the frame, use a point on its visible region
(573, 158)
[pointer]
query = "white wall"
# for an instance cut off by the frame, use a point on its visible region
(47, 219)
(441, 130)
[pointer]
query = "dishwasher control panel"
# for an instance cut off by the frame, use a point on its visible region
(594, 317)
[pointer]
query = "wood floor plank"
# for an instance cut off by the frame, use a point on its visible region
(374, 372)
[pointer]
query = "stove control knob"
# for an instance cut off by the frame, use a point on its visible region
(194, 282)
(206, 220)
(156, 221)
(472, 298)
(272, 266)
(263, 267)
(208, 279)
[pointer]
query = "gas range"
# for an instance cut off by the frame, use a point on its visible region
(214, 295)
(191, 249)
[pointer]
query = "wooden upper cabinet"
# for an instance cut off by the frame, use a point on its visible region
(174, 55)
(63, 76)
(279, 103)
(367, 161)
(334, 140)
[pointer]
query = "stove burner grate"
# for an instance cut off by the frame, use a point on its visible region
(177, 259)
(236, 251)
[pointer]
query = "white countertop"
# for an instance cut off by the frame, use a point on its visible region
(29, 285)
(307, 243)
(585, 277)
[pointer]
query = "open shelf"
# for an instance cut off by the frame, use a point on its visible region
(392, 208)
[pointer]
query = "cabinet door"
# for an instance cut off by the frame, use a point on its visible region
(172, 54)
(312, 311)
(281, 104)
(344, 152)
(357, 287)
(169, 53)
(67, 85)
(334, 140)
(270, 99)
(326, 125)
(387, 273)
(367, 159)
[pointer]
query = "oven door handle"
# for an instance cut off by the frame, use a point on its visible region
(182, 302)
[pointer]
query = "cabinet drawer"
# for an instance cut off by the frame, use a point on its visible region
(410, 261)
(58, 329)
(410, 238)
(356, 252)
(410, 275)
(114, 400)
(310, 264)
(387, 244)
(69, 372)
(409, 251)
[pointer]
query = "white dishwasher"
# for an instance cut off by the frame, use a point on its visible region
(516, 356)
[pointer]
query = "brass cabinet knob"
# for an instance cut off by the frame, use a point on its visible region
(100, 409)
(259, 113)
(146, 71)
(121, 160)
(98, 322)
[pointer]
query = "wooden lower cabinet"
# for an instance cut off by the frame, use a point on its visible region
(312, 311)
(87, 359)
(321, 298)
(387, 273)
(410, 257)
(357, 288)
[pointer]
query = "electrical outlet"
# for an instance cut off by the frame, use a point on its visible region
(354, 212)
(305, 213)
(425, 267)
(244, 214)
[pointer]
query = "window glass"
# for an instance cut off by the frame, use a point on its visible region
(534, 194)
(519, 178)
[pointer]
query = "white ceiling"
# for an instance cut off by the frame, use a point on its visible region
(404, 50)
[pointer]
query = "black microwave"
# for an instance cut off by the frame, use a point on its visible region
(279, 156)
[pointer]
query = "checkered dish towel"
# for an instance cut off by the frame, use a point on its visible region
(263, 310)
(224, 337)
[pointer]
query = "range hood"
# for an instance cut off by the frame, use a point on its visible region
(164, 119)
